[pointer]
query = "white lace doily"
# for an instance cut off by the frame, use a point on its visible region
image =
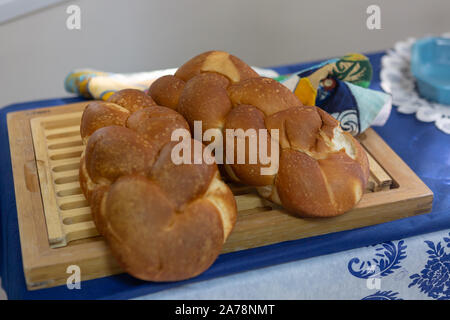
(397, 79)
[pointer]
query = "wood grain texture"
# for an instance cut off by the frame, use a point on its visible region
(57, 231)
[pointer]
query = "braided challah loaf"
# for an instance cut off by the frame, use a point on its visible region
(163, 222)
(322, 171)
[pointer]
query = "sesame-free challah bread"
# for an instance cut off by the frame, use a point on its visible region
(322, 171)
(163, 222)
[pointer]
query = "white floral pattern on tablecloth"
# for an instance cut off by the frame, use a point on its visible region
(397, 79)
(416, 268)
(433, 279)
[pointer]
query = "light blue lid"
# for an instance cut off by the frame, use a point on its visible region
(430, 65)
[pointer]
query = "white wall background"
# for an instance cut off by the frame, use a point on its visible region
(37, 50)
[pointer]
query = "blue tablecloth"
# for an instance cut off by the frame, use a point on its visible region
(425, 149)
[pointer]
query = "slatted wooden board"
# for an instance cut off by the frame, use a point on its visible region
(57, 230)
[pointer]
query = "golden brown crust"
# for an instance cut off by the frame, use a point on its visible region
(173, 179)
(156, 243)
(99, 114)
(224, 93)
(150, 210)
(250, 119)
(218, 62)
(156, 124)
(132, 99)
(166, 91)
(266, 94)
(326, 187)
(296, 191)
(205, 98)
(98, 199)
(85, 181)
(333, 166)
(115, 151)
(221, 196)
(292, 135)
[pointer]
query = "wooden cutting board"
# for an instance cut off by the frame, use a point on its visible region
(56, 228)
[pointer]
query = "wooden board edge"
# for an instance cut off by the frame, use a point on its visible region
(93, 268)
(90, 267)
(393, 164)
(51, 210)
(25, 184)
(423, 194)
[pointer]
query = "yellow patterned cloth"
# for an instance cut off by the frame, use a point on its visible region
(93, 84)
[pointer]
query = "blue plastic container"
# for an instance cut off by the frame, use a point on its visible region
(430, 65)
